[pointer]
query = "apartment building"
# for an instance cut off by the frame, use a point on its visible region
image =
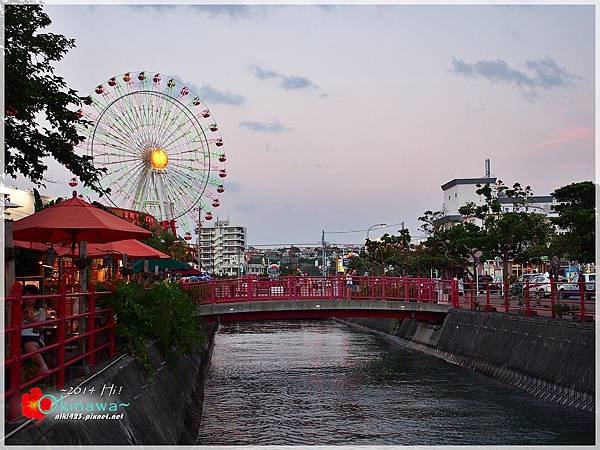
(222, 248)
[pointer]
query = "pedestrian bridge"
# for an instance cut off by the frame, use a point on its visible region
(316, 309)
(423, 299)
(321, 297)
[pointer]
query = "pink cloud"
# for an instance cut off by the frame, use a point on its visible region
(568, 135)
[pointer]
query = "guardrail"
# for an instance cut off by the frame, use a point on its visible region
(89, 331)
(552, 299)
(526, 298)
(331, 287)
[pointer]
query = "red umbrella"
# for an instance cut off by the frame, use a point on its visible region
(130, 247)
(31, 245)
(75, 220)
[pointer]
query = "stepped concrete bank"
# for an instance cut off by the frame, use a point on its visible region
(551, 359)
(164, 409)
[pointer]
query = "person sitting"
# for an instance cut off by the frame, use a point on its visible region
(31, 338)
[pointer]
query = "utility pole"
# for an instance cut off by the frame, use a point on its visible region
(324, 267)
(198, 231)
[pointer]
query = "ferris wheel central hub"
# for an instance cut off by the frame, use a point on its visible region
(158, 158)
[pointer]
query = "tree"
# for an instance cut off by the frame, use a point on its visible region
(576, 211)
(389, 255)
(168, 243)
(39, 204)
(33, 91)
(422, 260)
(449, 246)
(360, 263)
(508, 234)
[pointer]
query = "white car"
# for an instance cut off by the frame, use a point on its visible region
(571, 288)
(539, 285)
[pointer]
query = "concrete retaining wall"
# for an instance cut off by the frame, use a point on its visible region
(160, 408)
(552, 359)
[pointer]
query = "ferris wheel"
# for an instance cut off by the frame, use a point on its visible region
(159, 144)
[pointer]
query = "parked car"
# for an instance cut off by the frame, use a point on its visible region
(540, 286)
(517, 289)
(495, 285)
(525, 277)
(571, 288)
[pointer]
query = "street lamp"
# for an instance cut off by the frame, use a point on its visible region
(378, 225)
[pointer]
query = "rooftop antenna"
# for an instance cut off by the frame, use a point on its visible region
(487, 168)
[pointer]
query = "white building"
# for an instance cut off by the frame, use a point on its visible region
(460, 191)
(222, 248)
(541, 204)
(19, 203)
(256, 265)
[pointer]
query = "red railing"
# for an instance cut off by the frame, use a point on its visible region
(525, 299)
(554, 299)
(326, 288)
(79, 326)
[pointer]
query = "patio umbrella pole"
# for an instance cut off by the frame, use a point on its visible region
(83, 281)
(125, 263)
(73, 242)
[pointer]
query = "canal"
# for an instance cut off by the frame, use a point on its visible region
(320, 382)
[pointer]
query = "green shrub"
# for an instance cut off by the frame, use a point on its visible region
(516, 291)
(561, 309)
(162, 314)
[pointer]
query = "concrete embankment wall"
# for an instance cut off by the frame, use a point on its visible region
(552, 359)
(163, 409)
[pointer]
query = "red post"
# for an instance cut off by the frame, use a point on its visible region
(338, 287)
(506, 301)
(454, 293)
(552, 297)
(212, 290)
(527, 299)
(419, 290)
(372, 288)
(383, 297)
(295, 287)
(581, 299)
(405, 288)
(61, 311)
(15, 350)
(472, 293)
(473, 290)
(91, 324)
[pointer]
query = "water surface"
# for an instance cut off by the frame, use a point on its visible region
(320, 382)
